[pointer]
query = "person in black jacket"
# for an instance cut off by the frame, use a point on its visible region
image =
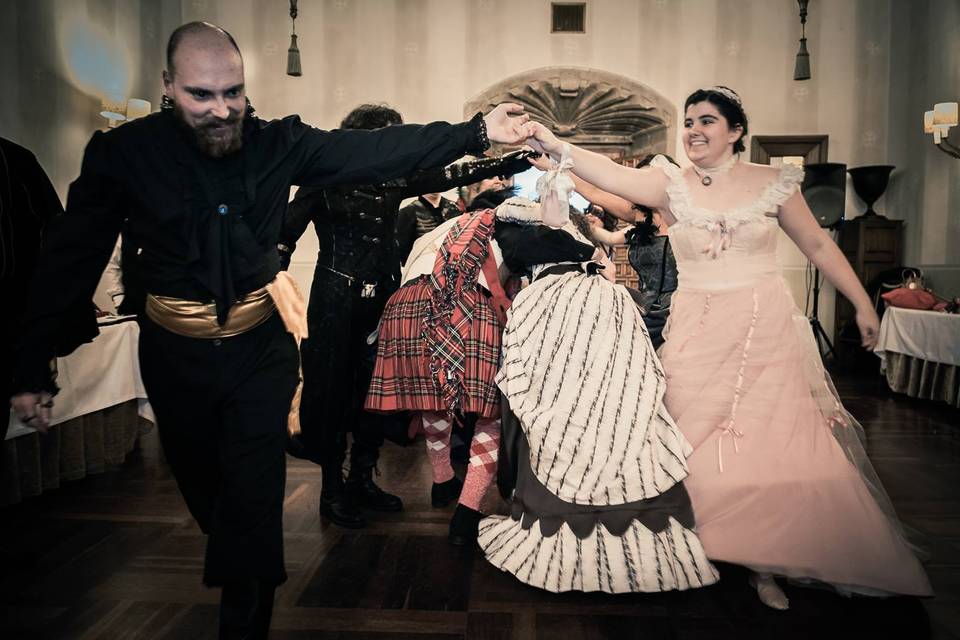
(202, 186)
(28, 204)
(651, 256)
(420, 217)
(357, 270)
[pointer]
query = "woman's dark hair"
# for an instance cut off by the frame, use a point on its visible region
(491, 199)
(728, 108)
(580, 221)
(371, 116)
(610, 221)
(644, 232)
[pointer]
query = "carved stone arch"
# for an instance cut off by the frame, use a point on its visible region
(602, 111)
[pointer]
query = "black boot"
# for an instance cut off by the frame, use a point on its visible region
(443, 493)
(296, 448)
(245, 610)
(464, 526)
(364, 492)
(336, 505)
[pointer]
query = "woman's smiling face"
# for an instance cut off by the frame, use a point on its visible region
(707, 135)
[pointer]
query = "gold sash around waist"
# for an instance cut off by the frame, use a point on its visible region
(199, 319)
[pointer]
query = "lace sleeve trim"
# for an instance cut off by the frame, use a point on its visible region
(677, 192)
(778, 191)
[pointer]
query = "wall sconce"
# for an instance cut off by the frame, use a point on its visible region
(801, 70)
(137, 108)
(116, 110)
(938, 122)
(113, 109)
(293, 53)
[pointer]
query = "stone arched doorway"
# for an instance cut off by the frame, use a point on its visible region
(602, 111)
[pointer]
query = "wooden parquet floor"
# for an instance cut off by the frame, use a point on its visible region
(117, 556)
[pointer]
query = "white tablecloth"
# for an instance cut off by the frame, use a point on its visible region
(927, 335)
(98, 375)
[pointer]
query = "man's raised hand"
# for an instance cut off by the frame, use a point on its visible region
(507, 124)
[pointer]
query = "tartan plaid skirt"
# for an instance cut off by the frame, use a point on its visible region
(401, 377)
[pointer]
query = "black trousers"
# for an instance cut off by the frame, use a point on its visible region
(6, 388)
(221, 408)
(337, 367)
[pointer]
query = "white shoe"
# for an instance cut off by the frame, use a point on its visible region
(769, 591)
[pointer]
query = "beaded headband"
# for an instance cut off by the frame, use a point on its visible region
(728, 94)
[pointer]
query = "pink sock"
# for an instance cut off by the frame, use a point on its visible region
(483, 462)
(437, 429)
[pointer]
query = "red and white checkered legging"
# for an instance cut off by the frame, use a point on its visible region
(483, 455)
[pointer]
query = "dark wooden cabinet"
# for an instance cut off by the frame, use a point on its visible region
(872, 245)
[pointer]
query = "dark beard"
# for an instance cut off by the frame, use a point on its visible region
(203, 136)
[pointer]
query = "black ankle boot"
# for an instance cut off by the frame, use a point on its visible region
(245, 610)
(336, 505)
(339, 509)
(365, 493)
(464, 526)
(297, 447)
(443, 493)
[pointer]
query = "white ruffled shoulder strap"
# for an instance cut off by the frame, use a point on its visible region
(680, 203)
(777, 192)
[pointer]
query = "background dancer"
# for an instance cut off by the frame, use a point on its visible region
(358, 268)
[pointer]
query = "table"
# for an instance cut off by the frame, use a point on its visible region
(100, 412)
(920, 353)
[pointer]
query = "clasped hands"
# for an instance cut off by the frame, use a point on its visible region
(508, 124)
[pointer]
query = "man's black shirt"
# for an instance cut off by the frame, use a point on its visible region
(205, 228)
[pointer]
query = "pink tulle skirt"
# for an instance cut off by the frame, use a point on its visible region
(773, 485)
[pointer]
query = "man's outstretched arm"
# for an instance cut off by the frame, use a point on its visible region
(370, 157)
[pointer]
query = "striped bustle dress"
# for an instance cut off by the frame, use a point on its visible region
(599, 502)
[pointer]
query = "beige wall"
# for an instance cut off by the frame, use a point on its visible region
(427, 57)
(52, 91)
(59, 57)
(925, 69)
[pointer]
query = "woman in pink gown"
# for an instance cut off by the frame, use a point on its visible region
(779, 480)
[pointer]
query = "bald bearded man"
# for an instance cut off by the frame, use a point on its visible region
(203, 185)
